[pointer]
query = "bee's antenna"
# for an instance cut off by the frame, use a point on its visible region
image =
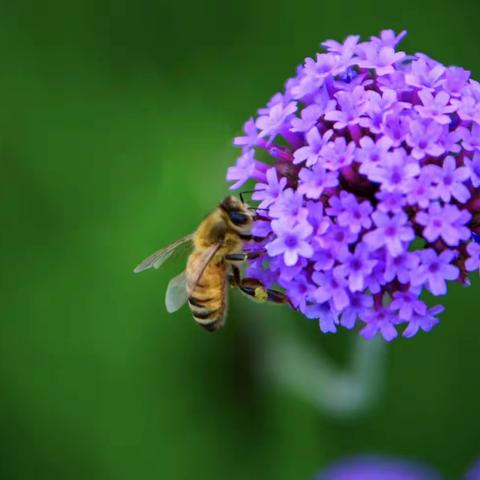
(241, 194)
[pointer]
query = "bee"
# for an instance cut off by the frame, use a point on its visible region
(214, 264)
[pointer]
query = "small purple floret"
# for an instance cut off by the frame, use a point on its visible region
(473, 262)
(291, 241)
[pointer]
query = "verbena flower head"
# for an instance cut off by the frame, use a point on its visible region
(367, 167)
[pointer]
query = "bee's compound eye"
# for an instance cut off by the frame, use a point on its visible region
(238, 218)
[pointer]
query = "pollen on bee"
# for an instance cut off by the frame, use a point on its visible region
(261, 294)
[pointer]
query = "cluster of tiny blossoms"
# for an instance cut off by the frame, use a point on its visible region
(367, 170)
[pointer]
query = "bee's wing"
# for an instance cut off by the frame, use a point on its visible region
(201, 264)
(157, 258)
(176, 294)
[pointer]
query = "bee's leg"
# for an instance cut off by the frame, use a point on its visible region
(234, 277)
(248, 237)
(244, 256)
(241, 194)
(255, 289)
(260, 239)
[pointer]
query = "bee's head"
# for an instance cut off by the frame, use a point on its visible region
(237, 211)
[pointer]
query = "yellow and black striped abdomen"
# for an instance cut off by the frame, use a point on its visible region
(207, 299)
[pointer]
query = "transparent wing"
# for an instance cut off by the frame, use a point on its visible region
(157, 258)
(201, 264)
(176, 294)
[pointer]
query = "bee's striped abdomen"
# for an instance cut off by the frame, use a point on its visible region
(207, 299)
(211, 320)
(209, 314)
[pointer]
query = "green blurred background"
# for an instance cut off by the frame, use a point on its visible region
(115, 134)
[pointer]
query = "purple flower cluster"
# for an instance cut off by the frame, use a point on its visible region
(367, 170)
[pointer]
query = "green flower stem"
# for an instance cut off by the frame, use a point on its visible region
(306, 371)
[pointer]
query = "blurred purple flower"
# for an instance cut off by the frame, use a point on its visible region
(377, 467)
(374, 467)
(474, 471)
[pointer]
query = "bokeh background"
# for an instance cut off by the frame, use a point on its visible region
(116, 121)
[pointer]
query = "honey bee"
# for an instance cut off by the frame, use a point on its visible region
(214, 264)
